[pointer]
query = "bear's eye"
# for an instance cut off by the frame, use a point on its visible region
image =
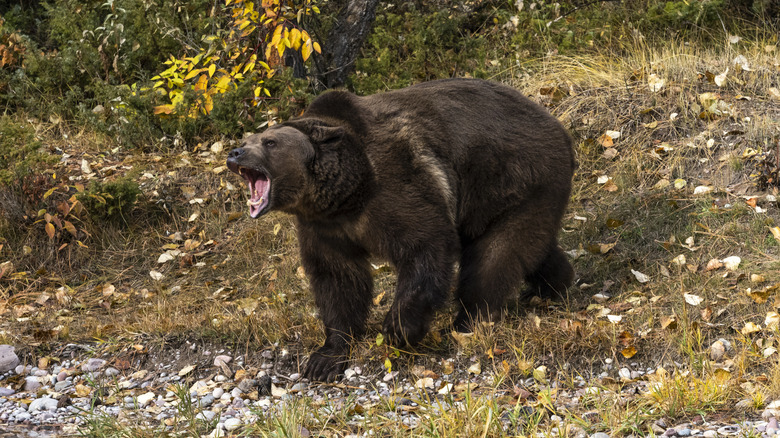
(270, 143)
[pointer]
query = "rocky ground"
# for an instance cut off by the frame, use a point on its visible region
(226, 396)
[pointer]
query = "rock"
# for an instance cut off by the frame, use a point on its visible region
(62, 375)
(5, 392)
(625, 374)
(43, 404)
(206, 401)
(683, 431)
(8, 359)
(111, 372)
(19, 369)
(145, 399)
(729, 430)
(247, 385)
(299, 387)
(98, 109)
(206, 415)
(31, 384)
(92, 365)
(599, 435)
(218, 393)
(709, 434)
(221, 360)
(264, 385)
(232, 424)
(670, 432)
(62, 385)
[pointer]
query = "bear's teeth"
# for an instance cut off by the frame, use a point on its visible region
(254, 203)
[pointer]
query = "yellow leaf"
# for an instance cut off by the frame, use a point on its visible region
(295, 38)
(222, 84)
(775, 233)
(628, 352)
(277, 35)
(193, 73)
(317, 47)
(70, 227)
(50, 230)
(163, 109)
(306, 50)
(212, 69)
(49, 192)
(203, 81)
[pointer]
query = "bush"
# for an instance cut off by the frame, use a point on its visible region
(110, 201)
(20, 152)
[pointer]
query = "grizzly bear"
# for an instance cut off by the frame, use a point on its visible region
(456, 172)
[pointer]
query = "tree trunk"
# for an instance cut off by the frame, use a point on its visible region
(342, 46)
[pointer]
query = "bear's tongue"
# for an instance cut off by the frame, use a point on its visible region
(259, 188)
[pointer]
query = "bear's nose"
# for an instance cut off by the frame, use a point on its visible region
(236, 153)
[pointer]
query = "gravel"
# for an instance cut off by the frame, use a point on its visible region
(230, 397)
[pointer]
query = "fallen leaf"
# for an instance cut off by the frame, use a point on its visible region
(713, 264)
(717, 351)
(655, 83)
(680, 183)
(165, 257)
(750, 328)
(742, 63)
(721, 78)
(614, 319)
(277, 391)
(731, 263)
(679, 260)
(775, 233)
(157, 276)
(425, 383)
(475, 368)
(628, 352)
(702, 190)
(772, 320)
(693, 300)
(540, 374)
(186, 370)
(669, 322)
(640, 277)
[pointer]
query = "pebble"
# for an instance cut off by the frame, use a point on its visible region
(92, 365)
(600, 435)
(8, 358)
(31, 383)
(43, 404)
(232, 424)
(5, 392)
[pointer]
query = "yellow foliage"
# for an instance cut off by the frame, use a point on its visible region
(234, 53)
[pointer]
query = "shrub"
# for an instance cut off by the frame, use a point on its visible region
(110, 201)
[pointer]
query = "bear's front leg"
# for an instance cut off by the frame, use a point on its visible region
(340, 278)
(424, 281)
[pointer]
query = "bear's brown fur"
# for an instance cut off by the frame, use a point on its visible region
(448, 172)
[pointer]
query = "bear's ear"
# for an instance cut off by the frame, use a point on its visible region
(322, 134)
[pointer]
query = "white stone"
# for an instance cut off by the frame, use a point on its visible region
(145, 399)
(43, 404)
(232, 424)
(8, 359)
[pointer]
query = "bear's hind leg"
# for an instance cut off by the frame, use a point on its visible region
(553, 276)
(493, 265)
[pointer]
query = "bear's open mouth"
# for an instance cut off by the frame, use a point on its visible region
(259, 190)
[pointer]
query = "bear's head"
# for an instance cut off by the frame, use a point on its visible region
(277, 165)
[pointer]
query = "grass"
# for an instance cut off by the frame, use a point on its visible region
(237, 282)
